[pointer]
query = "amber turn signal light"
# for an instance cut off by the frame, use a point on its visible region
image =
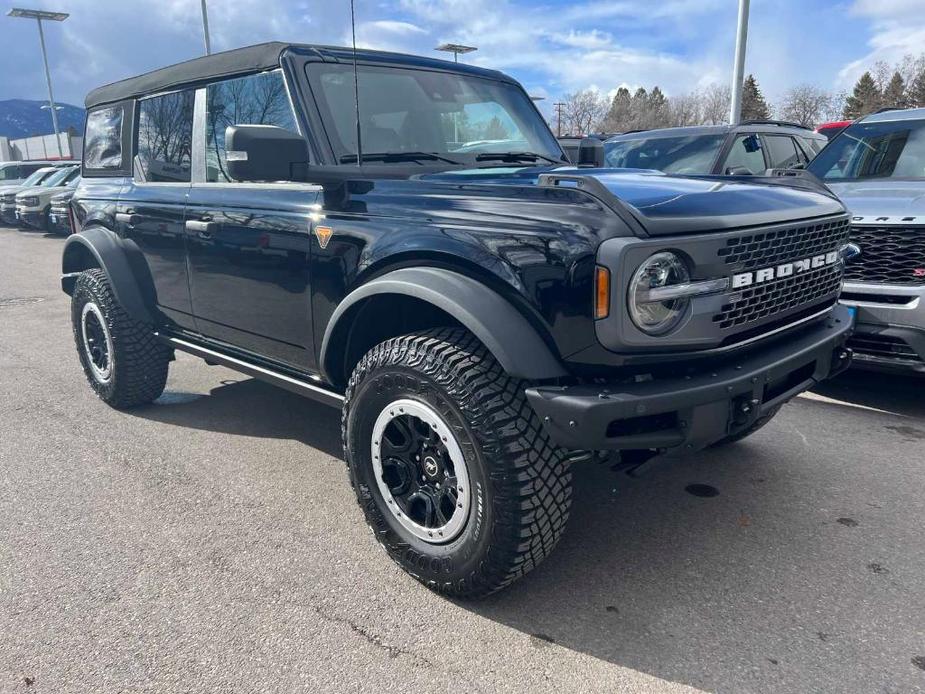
(601, 292)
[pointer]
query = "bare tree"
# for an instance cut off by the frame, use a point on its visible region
(805, 104)
(715, 102)
(684, 110)
(583, 111)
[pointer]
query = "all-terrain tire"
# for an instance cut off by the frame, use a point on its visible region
(521, 482)
(745, 433)
(136, 366)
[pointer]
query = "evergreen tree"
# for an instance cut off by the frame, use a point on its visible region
(658, 112)
(865, 98)
(916, 94)
(620, 112)
(895, 92)
(754, 107)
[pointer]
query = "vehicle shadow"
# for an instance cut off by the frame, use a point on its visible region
(720, 571)
(250, 407)
(897, 393)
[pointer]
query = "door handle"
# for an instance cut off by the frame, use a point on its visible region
(127, 218)
(203, 228)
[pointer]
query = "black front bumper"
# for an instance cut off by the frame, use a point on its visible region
(690, 413)
(8, 215)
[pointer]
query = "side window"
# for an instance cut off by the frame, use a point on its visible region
(746, 154)
(782, 151)
(811, 146)
(253, 100)
(103, 139)
(165, 134)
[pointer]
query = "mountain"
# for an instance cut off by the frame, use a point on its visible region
(25, 117)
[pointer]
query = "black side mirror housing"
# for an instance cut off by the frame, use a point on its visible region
(591, 153)
(265, 153)
(583, 151)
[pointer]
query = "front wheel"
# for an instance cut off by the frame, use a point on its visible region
(454, 472)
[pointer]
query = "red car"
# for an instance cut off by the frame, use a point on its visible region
(832, 129)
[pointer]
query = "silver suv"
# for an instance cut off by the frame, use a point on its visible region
(877, 167)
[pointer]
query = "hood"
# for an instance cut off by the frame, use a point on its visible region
(34, 190)
(666, 204)
(882, 198)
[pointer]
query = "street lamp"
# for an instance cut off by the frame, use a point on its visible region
(455, 49)
(205, 27)
(38, 16)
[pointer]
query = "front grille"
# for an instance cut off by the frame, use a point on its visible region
(759, 304)
(8, 199)
(767, 248)
(883, 347)
(889, 255)
(772, 298)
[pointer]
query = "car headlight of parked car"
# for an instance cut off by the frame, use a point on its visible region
(29, 201)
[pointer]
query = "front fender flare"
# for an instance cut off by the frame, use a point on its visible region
(113, 256)
(503, 329)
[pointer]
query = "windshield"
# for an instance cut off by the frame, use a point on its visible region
(690, 154)
(58, 178)
(894, 149)
(413, 112)
(37, 177)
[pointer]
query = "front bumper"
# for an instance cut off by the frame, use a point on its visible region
(58, 221)
(8, 214)
(690, 413)
(32, 218)
(890, 331)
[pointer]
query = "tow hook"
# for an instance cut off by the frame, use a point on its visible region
(742, 409)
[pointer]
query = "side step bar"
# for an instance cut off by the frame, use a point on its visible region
(309, 390)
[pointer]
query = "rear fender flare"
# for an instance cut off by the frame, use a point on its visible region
(120, 260)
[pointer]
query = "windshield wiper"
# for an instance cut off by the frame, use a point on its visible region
(397, 156)
(514, 157)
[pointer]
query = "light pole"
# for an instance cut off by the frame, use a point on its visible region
(38, 16)
(738, 72)
(455, 49)
(205, 27)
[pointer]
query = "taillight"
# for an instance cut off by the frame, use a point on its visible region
(601, 292)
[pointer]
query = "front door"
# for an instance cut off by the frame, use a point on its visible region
(249, 243)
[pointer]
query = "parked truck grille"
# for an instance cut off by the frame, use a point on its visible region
(768, 248)
(889, 255)
(883, 347)
(761, 303)
(766, 300)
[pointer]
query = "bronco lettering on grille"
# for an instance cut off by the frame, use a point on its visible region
(746, 279)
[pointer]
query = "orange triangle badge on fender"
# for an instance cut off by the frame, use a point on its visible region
(324, 235)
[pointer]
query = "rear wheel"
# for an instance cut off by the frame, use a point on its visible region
(451, 467)
(123, 361)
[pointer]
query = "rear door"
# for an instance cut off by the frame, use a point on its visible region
(150, 211)
(249, 243)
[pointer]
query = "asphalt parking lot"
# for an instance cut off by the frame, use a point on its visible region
(211, 542)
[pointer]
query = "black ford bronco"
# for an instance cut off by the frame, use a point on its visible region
(403, 238)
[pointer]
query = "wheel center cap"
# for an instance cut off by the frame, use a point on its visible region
(431, 468)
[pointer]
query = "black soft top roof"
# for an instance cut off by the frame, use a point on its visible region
(240, 61)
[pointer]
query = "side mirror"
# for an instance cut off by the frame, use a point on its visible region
(265, 153)
(591, 153)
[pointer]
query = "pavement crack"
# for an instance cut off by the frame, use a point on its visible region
(364, 632)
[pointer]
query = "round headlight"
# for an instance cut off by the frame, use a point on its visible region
(652, 311)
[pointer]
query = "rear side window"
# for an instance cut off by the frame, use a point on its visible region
(812, 146)
(782, 151)
(103, 139)
(254, 100)
(165, 134)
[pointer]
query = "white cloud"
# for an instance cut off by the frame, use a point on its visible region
(898, 30)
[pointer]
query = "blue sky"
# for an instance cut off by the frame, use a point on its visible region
(552, 46)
